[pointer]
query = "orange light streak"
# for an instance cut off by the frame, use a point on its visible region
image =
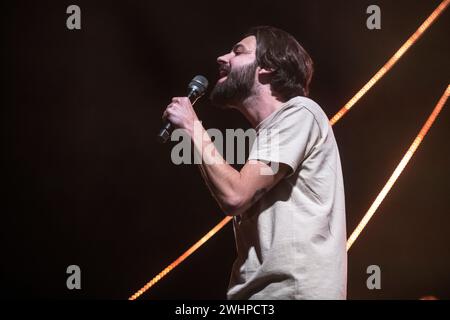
(399, 169)
(186, 254)
(392, 61)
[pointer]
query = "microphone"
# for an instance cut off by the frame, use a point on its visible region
(196, 88)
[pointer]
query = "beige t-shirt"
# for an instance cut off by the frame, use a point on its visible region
(291, 243)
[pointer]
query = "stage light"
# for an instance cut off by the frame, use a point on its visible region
(392, 61)
(399, 169)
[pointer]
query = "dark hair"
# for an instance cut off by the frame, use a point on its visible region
(291, 64)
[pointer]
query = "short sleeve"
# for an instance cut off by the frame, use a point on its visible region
(287, 138)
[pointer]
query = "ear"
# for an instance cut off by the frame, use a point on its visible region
(263, 71)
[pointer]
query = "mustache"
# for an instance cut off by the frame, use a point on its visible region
(225, 68)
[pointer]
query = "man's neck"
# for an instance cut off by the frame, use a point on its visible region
(258, 107)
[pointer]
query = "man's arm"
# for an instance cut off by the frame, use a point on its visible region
(235, 191)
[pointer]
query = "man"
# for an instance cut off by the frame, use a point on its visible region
(289, 225)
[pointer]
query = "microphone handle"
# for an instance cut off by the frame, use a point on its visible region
(166, 131)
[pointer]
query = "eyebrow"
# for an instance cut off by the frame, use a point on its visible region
(238, 46)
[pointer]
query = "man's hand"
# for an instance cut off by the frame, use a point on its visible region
(181, 113)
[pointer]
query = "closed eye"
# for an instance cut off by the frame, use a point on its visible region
(238, 49)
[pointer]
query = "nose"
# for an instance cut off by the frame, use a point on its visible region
(223, 59)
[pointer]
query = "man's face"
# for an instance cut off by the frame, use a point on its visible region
(237, 72)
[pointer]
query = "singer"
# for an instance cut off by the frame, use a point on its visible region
(289, 226)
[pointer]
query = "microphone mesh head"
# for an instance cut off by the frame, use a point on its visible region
(199, 83)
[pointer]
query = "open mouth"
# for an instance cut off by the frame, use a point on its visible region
(223, 72)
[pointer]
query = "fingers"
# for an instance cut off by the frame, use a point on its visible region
(180, 100)
(168, 114)
(170, 111)
(169, 108)
(179, 111)
(176, 102)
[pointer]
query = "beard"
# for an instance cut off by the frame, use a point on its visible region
(237, 87)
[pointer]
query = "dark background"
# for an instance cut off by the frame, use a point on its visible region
(85, 182)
